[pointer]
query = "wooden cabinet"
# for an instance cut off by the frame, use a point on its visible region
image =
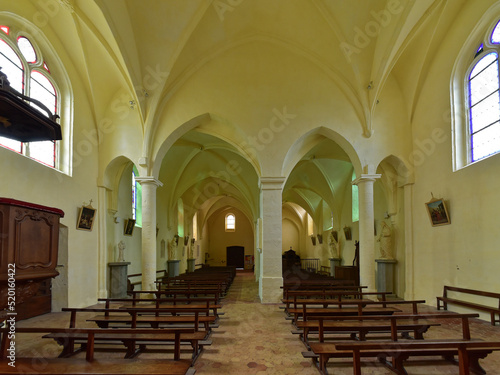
(29, 238)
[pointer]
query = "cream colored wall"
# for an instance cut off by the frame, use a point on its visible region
(290, 236)
(464, 253)
(219, 239)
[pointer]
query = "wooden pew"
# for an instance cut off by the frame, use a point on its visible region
(131, 317)
(192, 294)
(490, 309)
(469, 352)
(160, 274)
(321, 352)
(359, 327)
(326, 297)
(135, 340)
(165, 303)
(363, 307)
(89, 365)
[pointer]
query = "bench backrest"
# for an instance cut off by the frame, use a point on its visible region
(90, 332)
(469, 291)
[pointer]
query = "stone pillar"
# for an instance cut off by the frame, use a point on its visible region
(102, 213)
(366, 230)
(409, 258)
(271, 273)
(149, 186)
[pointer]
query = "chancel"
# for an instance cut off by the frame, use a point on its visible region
(238, 150)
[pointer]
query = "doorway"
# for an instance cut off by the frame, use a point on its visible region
(235, 256)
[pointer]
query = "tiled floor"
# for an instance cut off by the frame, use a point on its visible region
(256, 339)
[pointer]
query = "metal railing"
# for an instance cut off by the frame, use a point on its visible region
(310, 264)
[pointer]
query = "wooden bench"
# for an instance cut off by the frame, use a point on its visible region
(326, 298)
(135, 340)
(131, 317)
(89, 364)
(363, 307)
(160, 274)
(469, 352)
(321, 352)
(191, 294)
(359, 327)
(491, 309)
(165, 303)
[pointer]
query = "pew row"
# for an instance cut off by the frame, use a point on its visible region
(89, 364)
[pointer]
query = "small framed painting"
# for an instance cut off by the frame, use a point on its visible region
(86, 217)
(128, 228)
(438, 214)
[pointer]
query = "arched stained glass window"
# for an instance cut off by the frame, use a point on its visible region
(483, 104)
(28, 74)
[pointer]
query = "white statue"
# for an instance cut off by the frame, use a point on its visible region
(121, 251)
(334, 246)
(171, 249)
(385, 241)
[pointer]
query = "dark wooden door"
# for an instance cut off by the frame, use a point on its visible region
(235, 256)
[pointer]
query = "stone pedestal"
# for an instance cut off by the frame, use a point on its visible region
(118, 284)
(333, 263)
(190, 264)
(385, 275)
(173, 268)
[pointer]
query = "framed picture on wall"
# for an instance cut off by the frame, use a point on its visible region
(438, 214)
(347, 233)
(128, 228)
(86, 217)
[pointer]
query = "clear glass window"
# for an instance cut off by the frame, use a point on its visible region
(230, 223)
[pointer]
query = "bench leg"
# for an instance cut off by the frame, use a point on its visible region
(323, 359)
(398, 364)
(356, 362)
(474, 365)
(492, 318)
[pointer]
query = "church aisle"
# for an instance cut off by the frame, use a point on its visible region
(252, 338)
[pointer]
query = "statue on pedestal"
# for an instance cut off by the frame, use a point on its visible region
(334, 246)
(121, 251)
(171, 248)
(385, 239)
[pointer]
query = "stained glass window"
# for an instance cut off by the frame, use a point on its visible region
(484, 107)
(18, 59)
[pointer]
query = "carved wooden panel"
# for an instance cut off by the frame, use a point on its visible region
(29, 236)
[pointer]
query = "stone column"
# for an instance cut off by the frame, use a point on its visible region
(102, 271)
(366, 230)
(271, 273)
(409, 258)
(149, 186)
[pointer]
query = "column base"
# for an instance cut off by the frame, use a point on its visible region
(270, 289)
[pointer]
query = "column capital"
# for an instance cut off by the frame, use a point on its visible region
(149, 180)
(366, 178)
(272, 183)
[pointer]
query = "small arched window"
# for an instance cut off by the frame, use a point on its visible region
(29, 74)
(230, 223)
